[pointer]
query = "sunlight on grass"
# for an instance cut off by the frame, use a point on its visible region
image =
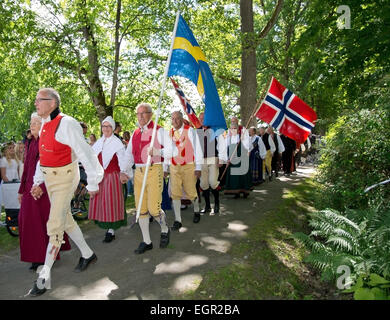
(268, 263)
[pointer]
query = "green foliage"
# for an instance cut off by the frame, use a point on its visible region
(370, 287)
(359, 240)
(356, 156)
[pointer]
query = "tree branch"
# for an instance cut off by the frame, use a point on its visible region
(271, 21)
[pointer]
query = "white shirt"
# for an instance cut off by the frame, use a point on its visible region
(194, 138)
(163, 139)
(11, 169)
(70, 133)
(280, 144)
(271, 143)
(234, 139)
(260, 143)
(109, 147)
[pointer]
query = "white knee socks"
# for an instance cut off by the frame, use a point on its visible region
(77, 236)
(176, 209)
(144, 225)
(196, 204)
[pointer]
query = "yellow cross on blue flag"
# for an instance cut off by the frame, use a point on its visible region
(189, 61)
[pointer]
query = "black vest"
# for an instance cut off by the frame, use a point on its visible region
(265, 140)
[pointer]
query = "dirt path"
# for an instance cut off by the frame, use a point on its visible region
(159, 273)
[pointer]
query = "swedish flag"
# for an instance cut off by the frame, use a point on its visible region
(189, 61)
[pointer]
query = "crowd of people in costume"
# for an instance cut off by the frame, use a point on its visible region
(198, 162)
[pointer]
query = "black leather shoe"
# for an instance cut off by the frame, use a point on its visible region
(35, 291)
(83, 263)
(35, 265)
(143, 247)
(196, 217)
(164, 239)
(176, 225)
(109, 237)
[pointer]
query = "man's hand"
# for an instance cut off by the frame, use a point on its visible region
(36, 192)
(197, 174)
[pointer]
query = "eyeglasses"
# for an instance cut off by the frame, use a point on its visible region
(41, 99)
(106, 127)
(142, 113)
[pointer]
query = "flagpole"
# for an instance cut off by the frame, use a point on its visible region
(256, 108)
(157, 116)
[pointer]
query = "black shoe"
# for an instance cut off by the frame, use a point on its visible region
(35, 291)
(83, 263)
(109, 237)
(143, 247)
(176, 225)
(164, 239)
(236, 196)
(35, 265)
(196, 217)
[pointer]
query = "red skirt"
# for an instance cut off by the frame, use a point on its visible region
(108, 205)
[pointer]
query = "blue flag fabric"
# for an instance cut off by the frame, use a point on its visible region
(189, 61)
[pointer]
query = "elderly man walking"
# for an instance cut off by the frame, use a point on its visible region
(137, 153)
(61, 145)
(186, 167)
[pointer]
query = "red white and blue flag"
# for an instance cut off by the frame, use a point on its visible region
(186, 106)
(287, 113)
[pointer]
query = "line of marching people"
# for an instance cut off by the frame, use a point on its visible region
(198, 161)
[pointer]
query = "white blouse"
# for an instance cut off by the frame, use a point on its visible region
(11, 169)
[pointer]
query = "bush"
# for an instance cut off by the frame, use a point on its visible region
(356, 155)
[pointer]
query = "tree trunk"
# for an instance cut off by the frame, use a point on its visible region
(95, 84)
(248, 87)
(117, 51)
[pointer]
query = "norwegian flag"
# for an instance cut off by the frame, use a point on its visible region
(186, 106)
(287, 113)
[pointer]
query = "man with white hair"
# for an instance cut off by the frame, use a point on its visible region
(61, 145)
(137, 152)
(186, 167)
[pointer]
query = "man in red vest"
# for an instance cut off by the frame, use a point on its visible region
(186, 167)
(61, 146)
(137, 153)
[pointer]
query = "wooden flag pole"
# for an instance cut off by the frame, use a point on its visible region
(157, 117)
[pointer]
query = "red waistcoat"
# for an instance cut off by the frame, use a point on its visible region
(184, 146)
(51, 152)
(141, 142)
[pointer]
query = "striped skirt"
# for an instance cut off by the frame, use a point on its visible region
(108, 205)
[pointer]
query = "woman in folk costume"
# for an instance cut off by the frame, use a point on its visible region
(107, 208)
(238, 179)
(256, 156)
(34, 214)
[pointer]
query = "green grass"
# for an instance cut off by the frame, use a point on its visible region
(268, 263)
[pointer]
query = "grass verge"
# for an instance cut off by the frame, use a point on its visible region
(268, 264)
